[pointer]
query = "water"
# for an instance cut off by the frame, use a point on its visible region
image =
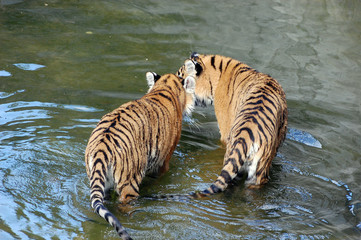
(64, 64)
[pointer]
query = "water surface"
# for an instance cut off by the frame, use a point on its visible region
(64, 64)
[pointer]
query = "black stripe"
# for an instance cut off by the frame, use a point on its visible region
(260, 171)
(120, 189)
(256, 103)
(260, 140)
(241, 141)
(270, 101)
(243, 69)
(165, 96)
(234, 164)
(95, 137)
(212, 61)
(108, 137)
(117, 143)
(236, 66)
(124, 135)
(215, 189)
(117, 136)
(226, 176)
(206, 192)
(104, 154)
(254, 120)
(239, 155)
(239, 82)
(177, 83)
(229, 61)
(130, 195)
(134, 188)
(272, 85)
(249, 131)
(267, 92)
(107, 145)
(135, 176)
(256, 113)
(233, 80)
(97, 202)
(147, 112)
(107, 216)
(135, 112)
(170, 97)
(94, 183)
(130, 122)
(100, 174)
(259, 108)
(100, 191)
(156, 107)
(103, 121)
(261, 96)
(270, 111)
(220, 182)
(96, 196)
(99, 161)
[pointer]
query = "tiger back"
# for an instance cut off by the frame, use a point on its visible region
(251, 111)
(136, 139)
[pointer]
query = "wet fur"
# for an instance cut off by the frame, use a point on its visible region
(136, 139)
(251, 111)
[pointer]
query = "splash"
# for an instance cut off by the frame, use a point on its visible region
(28, 66)
(303, 137)
(4, 73)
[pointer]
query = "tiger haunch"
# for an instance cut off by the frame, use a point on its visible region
(251, 111)
(136, 139)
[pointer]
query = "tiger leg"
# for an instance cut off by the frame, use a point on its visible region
(258, 175)
(164, 168)
(128, 192)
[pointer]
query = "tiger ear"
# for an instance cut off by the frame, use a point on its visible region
(194, 55)
(189, 84)
(151, 77)
(190, 67)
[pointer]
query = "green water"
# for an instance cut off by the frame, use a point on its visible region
(92, 56)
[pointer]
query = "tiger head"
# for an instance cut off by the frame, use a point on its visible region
(174, 83)
(199, 66)
(191, 67)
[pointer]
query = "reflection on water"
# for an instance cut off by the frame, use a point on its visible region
(64, 65)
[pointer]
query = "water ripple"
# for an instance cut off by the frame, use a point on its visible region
(6, 95)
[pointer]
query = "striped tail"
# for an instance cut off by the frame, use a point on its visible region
(218, 186)
(230, 172)
(101, 210)
(222, 182)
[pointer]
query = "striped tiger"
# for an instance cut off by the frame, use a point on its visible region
(136, 139)
(251, 111)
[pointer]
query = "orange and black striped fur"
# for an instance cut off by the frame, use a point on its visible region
(251, 111)
(136, 139)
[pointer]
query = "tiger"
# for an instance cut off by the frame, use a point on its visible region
(251, 112)
(136, 139)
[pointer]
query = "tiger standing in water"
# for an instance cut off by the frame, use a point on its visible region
(136, 139)
(251, 111)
